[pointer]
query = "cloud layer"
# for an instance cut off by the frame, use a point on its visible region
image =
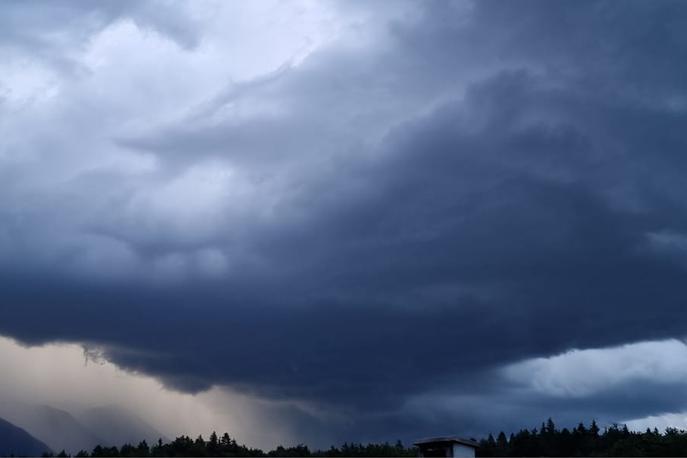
(367, 214)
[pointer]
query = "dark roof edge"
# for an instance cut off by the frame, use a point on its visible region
(451, 439)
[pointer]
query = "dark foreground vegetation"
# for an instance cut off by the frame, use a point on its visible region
(545, 441)
(227, 446)
(586, 441)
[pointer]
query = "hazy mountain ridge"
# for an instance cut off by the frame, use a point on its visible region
(59, 429)
(56, 427)
(16, 441)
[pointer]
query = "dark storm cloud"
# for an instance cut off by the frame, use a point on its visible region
(523, 185)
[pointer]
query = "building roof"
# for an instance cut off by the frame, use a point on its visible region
(447, 439)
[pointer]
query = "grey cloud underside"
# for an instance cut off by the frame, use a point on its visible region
(48, 28)
(540, 212)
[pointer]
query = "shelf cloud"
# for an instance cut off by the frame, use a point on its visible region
(392, 217)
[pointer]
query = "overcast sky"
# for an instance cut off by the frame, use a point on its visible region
(346, 220)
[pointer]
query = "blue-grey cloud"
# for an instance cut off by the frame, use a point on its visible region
(488, 183)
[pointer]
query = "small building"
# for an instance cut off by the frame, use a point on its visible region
(447, 447)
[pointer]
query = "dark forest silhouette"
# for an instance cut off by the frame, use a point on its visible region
(615, 440)
(548, 440)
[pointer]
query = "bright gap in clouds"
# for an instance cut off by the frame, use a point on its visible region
(581, 373)
(66, 377)
(641, 371)
(578, 385)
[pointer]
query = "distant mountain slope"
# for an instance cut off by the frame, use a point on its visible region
(16, 441)
(117, 426)
(56, 427)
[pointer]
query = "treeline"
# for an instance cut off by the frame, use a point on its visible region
(227, 446)
(546, 441)
(586, 441)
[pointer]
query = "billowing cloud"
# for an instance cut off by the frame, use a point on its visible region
(361, 215)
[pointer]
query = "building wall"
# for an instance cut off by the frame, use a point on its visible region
(460, 450)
